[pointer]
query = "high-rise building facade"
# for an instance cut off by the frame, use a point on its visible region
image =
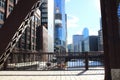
(91, 43)
(60, 33)
(118, 12)
(85, 34)
(6, 6)
(70, 47)
(47, 24)
(44, 13)
(42, 30)
(77, 43)
(27, 42)
(100, 38)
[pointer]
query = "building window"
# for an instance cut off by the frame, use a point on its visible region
(32, 18)
(23, 36)
(23, 45)
(11, 1)
(44, 5)
(2, 3)
(27, 46)
(36, 19)
(33, 39)
(10, 8)
(1, 16)
(44, 20)
(44, 10)
(0, 25)
(44, 15)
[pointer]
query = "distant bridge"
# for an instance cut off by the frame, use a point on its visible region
(84, 55)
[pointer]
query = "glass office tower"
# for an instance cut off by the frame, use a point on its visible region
(60, 33)
(85, 39)
(118, 12)
(47, 20)
(77, 43)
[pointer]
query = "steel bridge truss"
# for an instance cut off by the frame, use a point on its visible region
(15, 25)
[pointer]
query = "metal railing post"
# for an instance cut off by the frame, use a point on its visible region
(86, 60)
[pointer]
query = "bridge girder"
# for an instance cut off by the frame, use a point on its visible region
(15, 25)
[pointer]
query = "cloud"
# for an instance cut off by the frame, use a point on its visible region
(72, 21)
(67, 1)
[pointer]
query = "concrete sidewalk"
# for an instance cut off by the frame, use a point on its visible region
(53, 75)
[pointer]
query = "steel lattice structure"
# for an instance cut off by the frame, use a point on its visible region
(23, 13)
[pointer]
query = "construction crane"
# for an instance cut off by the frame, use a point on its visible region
(15, 25)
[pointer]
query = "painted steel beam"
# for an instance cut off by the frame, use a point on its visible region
(15, 25)
(111, 38)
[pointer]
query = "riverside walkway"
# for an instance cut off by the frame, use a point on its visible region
(91, 74)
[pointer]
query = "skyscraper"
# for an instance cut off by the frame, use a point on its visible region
(42, 31)
(6, 6)
(44, 12)
(77, 43)
(60, 33)
(85, 34)
(100, 38)
(70, 47)
(47, 26)
(91, 43)
(118, 12)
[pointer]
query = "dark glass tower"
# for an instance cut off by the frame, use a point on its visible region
(60, 33)
(118, 12)
(100, 37)
(44, 13)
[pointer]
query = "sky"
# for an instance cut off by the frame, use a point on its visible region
(82, 14)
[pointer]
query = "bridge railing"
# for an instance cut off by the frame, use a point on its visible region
(54, 61)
